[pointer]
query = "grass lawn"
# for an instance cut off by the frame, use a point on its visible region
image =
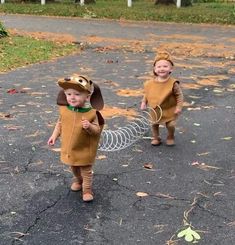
(220, 13)
(17, 51)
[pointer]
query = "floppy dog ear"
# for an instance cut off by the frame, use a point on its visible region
(61, 98)
(96, 99)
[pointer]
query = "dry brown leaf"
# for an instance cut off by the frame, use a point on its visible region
(3, 115)
(203, 153)
(141, 194)
(219, 193)
(148, 165)
(56, 149)
(203, 166)
(101, 157)
(158, 194)
(33, 135)
(231, 223)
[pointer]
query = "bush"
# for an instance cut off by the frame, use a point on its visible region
(186, 3)
(3, 32)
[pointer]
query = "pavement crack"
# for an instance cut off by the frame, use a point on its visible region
(213, 213)
(35, 222)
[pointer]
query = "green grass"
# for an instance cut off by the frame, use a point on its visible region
(220, 13)
(17, 51)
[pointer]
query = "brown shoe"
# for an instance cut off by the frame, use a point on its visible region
(76, 185)
(170, 141)
(87, 197)
(156, 142)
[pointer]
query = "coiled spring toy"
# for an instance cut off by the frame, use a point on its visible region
(123, 137)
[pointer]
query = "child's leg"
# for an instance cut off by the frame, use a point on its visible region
(171, 133)
(87, 176)
(77, 179)
(155, 131)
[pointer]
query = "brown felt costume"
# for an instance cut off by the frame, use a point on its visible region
(162, 94)
(168, 96)
(79, 145)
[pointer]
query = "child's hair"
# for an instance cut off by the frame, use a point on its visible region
(162, 55)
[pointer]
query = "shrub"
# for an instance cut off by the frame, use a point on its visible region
(185, 3)
(3, 32)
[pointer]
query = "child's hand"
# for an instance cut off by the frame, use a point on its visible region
(143, 106)
(177, 111)
(85, 123)
(51, 141)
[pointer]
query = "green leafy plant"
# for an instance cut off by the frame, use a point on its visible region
(189, 235)
(3, 32)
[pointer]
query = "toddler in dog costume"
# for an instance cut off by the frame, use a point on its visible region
(79, 126)
(163, 91)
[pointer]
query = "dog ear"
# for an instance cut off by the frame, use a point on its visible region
(61, 98)
(100, 119)
(96, 99)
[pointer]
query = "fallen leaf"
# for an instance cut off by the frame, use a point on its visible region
(142, 194)
(203, 154)
(195, 163)
(12, 91)
(218, 91)
(231, 223)
(137, 150)
(101, 157)
(218, 194)
(193, 109)
(227, 138)
(3, 115)
(148, 165)
(203, 166)
(56, 149)
(158, 194)
(12, 128)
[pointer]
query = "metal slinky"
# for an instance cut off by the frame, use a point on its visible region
(123, 137)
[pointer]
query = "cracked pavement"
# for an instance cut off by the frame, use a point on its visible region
(192, 182)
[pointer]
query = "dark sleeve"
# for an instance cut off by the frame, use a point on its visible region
(178, 94)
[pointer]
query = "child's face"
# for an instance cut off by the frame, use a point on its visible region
(163, 68)
(76, 98)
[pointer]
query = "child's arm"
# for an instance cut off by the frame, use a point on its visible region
(55, 134)
(93, 128)
(144, 103)
(179, 98)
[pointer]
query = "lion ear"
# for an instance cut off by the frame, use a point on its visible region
(96, 100)
(61, 98)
